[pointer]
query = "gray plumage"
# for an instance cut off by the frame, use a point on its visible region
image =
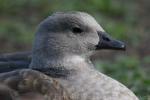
(63, 43)
(57, 45)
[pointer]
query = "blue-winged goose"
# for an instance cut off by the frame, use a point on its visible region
(62, 46)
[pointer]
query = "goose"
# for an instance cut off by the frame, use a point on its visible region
(62, 46)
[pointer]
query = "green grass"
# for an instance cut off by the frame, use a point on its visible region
(15, 32)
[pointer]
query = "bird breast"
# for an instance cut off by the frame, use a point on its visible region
(89, 84)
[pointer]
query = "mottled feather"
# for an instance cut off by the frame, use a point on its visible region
(28, 84)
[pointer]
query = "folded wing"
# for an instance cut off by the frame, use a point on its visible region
(13, 61)
(27, 84)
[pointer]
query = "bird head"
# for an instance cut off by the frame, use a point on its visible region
(71, 33)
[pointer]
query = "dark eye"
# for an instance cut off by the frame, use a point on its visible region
(77, 30)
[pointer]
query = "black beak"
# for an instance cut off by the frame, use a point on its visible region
(106, 42)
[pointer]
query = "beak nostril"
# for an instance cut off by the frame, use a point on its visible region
(105, 38)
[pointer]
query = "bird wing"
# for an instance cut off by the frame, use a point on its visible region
(13, 61)
(27, 84)
(25, 55)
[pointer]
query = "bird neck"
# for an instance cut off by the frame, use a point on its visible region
(60, 65)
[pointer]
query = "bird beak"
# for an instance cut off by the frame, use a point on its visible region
(106, 42)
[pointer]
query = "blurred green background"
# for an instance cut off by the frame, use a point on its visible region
(127, 20)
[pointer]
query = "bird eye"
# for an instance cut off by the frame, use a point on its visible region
(77, 30)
